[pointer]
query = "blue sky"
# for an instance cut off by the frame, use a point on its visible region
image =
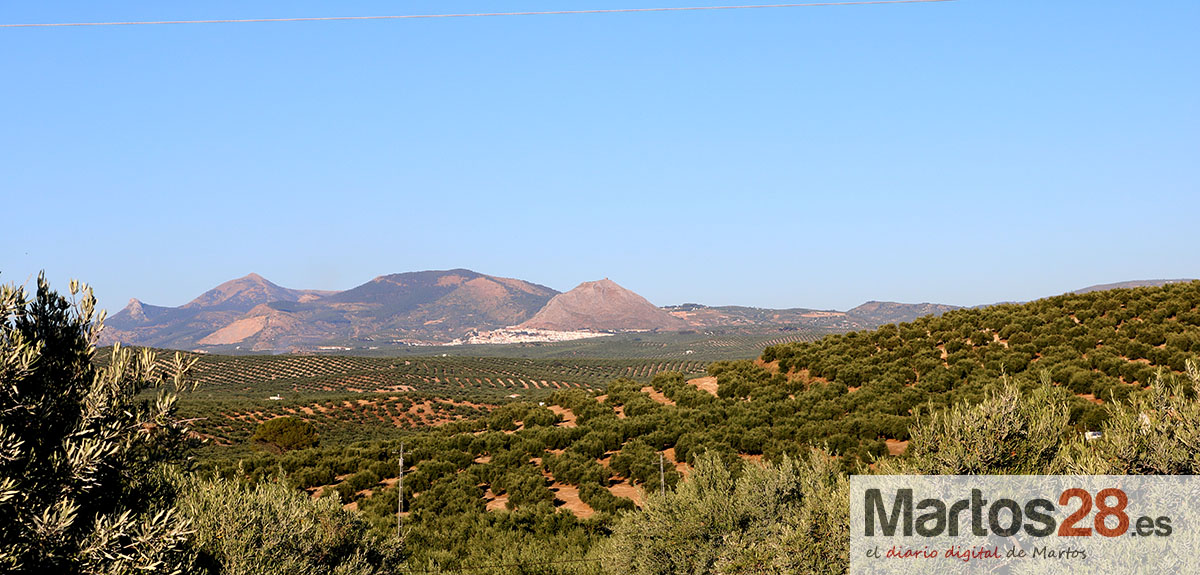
(963, 152)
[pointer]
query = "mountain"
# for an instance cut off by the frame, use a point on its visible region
(431, 295)
(252, 313)
(602, 306)
(420, 307)
(182, 326)
(244, 293)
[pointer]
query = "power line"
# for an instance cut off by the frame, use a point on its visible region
(470, 15)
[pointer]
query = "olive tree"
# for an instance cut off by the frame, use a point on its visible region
(268, 527)
(82, 447)
(285, 434)
(788, 517)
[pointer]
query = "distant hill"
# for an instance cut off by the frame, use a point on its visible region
(866, 316)
(603, 306)
(701, 316)
(885, 312)
(1131, 284)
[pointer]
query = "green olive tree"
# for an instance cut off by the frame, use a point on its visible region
(285, 434)
(788, 517)
(82, 448)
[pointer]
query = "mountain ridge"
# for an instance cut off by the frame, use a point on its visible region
(252, 313)
(434, 307)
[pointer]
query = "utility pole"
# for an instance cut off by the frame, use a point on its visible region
(662, 476)
(400, 497)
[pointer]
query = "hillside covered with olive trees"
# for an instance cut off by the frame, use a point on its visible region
(535, 477)
(1102, 346)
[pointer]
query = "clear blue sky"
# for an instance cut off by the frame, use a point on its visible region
(962, 152)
